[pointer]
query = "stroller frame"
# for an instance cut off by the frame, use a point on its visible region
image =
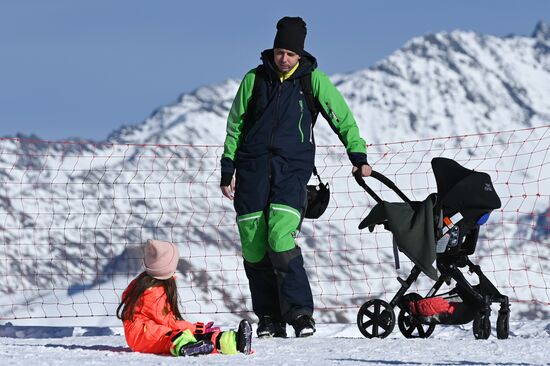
(376, 318)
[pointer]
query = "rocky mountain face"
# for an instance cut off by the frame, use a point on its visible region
(73, 215)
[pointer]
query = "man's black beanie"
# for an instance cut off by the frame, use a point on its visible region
(291, 34)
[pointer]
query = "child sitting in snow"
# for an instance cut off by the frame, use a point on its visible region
(153, 322)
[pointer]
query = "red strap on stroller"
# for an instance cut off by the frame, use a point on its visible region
(431, 306)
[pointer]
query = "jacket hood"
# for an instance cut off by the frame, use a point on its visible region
(308, 63)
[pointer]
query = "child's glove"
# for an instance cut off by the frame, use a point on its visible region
(185, 344)
(201, 328)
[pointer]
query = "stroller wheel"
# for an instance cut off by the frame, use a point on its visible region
(503, 324)
(376, 319)
(481, 326)
(412, 328)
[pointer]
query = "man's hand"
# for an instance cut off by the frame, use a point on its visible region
(366, 170)
(229, 191)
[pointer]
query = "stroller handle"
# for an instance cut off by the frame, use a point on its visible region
(384, 180)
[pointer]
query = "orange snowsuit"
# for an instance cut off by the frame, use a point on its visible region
(154, 323)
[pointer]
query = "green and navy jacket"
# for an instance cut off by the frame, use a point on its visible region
(282, 123)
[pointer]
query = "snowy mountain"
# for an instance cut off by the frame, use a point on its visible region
(442, 84)
(73, 215)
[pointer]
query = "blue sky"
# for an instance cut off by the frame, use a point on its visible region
(84, 68)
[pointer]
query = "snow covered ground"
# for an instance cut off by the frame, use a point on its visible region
(333, 344)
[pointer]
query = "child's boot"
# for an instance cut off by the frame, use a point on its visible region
(244, 337)
(185, 344)
(204, 347)
(231, 342)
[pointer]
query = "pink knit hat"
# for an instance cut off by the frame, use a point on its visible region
(161, 259)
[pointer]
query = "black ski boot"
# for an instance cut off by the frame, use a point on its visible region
(267, 328)
(304, 326)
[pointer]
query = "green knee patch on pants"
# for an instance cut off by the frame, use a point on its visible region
(228, 342)
(283, 227)
(253, 232)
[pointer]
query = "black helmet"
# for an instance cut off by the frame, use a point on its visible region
(318, 197)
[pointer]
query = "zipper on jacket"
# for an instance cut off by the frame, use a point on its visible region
(300, 120)
(275, 116)
(332, 115)
(275, 113)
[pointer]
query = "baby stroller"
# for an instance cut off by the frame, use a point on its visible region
(443, 229)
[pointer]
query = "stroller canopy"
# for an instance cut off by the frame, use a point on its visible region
(460, 188)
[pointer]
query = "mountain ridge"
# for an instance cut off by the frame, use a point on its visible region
(469, 68)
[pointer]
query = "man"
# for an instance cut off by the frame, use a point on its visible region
(270, 144)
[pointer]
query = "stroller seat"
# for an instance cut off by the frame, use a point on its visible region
(444, 228)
